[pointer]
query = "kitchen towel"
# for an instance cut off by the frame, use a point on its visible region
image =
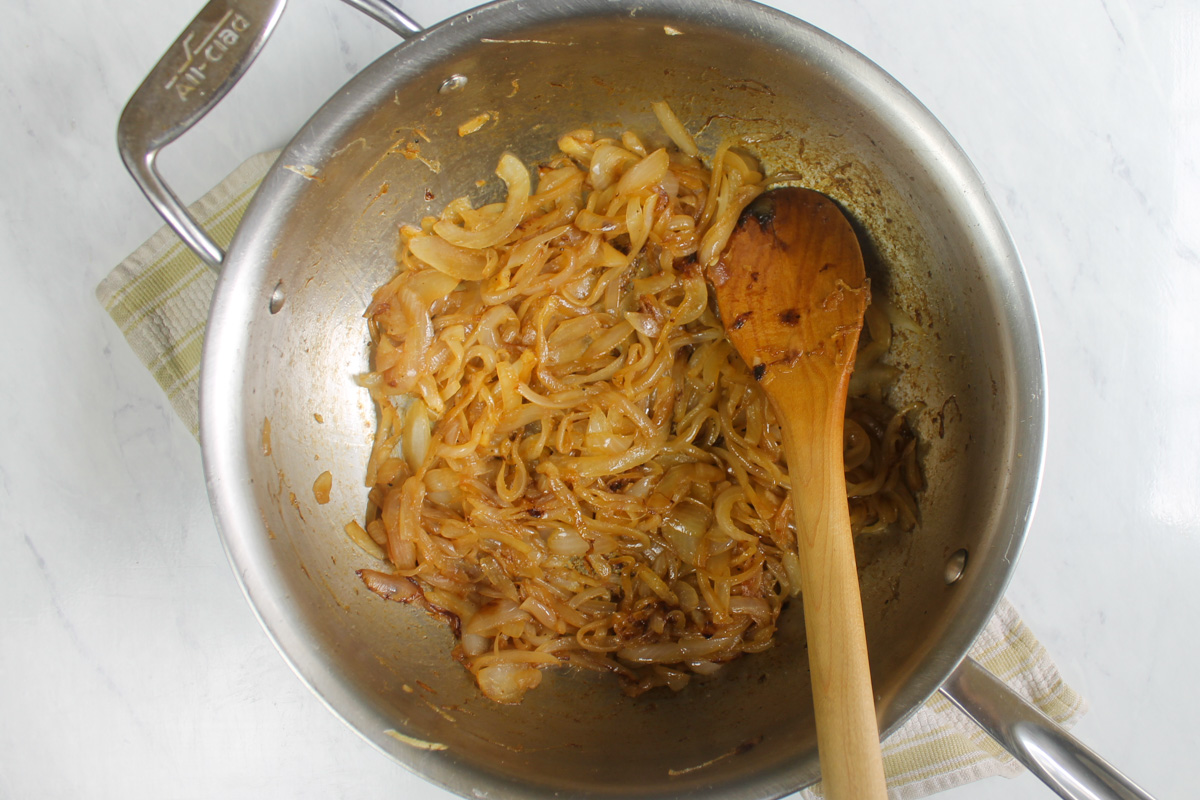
(159, 298)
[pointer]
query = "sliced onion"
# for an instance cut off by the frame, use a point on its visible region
(544, 614)
(878, 325)
(687, 648)
(676, 681)
(608, 160)
(639, 217)
(644, 324)
(695, 301)
(644, 174)
(685, 525)
(431, 286)
(610, 257)
(653, 284)
(631, 142)
(453, 261)
(565, 542)
(359, 536)
(497, 327)
(791, 565)
(495, 616)
(554, 181)
(322, 486)
(723, 513)
(516, 178)
(674, 128)
(522, 252)
(611, 338)
(475, 645)
(416, 435)
(608, 443)
(508, 378)
(897, 316)
(559, 400)
(757, 608)
(401, 537)
(377, 532)
(514, 657)
(411, 363)
(442, 479)
(588, 595)
(689, 598)
(507, 683)
(704, 667)
(578, 145)
(598, 466)
(657, 585)
(653, 653)
(591, 222)
(733, 197)
(390, 587)
(745, 165)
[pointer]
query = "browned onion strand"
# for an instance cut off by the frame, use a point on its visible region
(573, 465)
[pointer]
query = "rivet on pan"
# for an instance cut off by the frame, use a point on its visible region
(452, 84)
(276, 299)
(956, 565)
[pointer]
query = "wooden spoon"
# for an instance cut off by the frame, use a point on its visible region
(792, 291)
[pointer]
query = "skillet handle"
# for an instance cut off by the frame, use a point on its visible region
(1061, 761)
(198, 70)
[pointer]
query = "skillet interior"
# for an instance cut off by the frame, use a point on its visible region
(322, 234)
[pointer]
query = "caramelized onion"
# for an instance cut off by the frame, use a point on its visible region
(389, 587)
(516, 179)
(572, 464)
(498, 616)
(674, 128)
(359, 536)
(453, 261)
(645, 174)
(507, 683)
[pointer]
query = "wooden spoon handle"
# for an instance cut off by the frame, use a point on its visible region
(792, 290)
(811, 416)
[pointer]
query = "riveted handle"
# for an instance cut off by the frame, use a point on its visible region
(199, 69)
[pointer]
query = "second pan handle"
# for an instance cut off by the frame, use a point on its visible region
(1061, 761)
(388, 15)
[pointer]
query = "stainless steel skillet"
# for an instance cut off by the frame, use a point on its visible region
(286, 337)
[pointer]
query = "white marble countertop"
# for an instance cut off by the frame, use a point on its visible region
(130, 664)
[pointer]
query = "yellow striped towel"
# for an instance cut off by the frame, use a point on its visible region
(159, 298)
